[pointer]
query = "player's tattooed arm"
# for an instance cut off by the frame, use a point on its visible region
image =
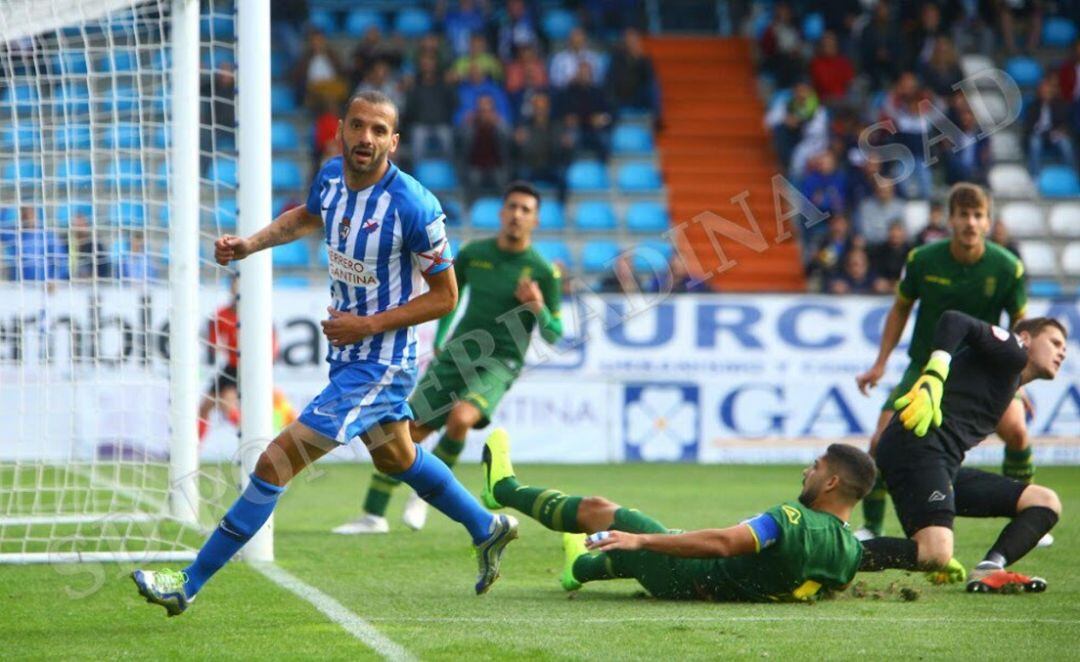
(705, 543)
(289, 226)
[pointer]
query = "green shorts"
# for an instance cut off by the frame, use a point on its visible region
(442, 385)
(906, 382)
(663, 576)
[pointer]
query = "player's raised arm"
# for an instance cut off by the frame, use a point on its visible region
(748, 537)
(289, 226)
(906, 293)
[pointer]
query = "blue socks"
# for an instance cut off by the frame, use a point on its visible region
(243, 520)
(435, 483)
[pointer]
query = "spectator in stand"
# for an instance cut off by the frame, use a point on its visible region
(526, 76)
(880, 46)
(475, 86)
(922, 40)
(969, 161)
(429, 108)
(887, 259)
(831, 70)
(942, 70)
(286, 19)
(1046, 124)
(904, 106)
(855, 277)
(631, 82)
(863, 173)
(372, 48)
(565, 64)
(484, 142)
(324, 134)
(623, 278)
(517, 29)
(585, 110)
(879, 212)
(1019, 15)
(788, 120)
(462, 23)
(88, 257)
(828, 250)
(38, 253)
(432, 44)
(676, 279)
(935, 229)
(380, 78)
(840, 16)
(824, 185)
(781, 47)
(133, 261)
(542, 146)
(319, 74)
(478, 56)
(1069, 76)
(218, 111)
(999, 234)
(611, 17)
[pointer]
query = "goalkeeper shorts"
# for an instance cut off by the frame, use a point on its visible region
(360, 396)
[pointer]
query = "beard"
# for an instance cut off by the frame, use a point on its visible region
(808, 496)
(373, 161)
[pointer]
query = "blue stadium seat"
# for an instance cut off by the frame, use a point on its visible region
(161, 176)
(1026, 71)
(26, 170)
(124, 99)
(72, 100)
(587, 176)
(279, 64)
(282, 100)
(454, 215)
(66, 213)
(599, 255)
(223, 171)
(631, 139)
(413, 22)
(161, 137)
(1058, 32)
(813, 27)
(127, 213)
(436, 174)
(126, 173)
(324, 20)
(123, 135)
(285, 174)
(551, 215)
(159, 209)
(1058, 182)
(119, 60)
(73, 136)
(23, 97)
(283, 136)
(557, 24)
(25, 137)
(292, 254)
(360, 20)
(324, 258)
(651, 256)
(291, 282)
(70, 62)
(216, 56)
(1044, 288)
(484, 214)
(641, 177)
(554, 249)
(594, 216)
(217, 27)
(225, 214)
(79, 172)
(647, 216)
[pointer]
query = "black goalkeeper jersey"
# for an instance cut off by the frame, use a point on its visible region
(984, 375)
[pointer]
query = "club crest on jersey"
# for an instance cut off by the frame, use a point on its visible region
(991, 285)
(370, 225)
(343, 228)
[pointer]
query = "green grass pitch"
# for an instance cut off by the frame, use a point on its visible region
(416, 588)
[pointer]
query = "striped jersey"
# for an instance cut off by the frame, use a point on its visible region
(379, 241)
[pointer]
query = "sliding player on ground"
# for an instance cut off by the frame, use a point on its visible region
(970, 380)
(788, 553)
(965, 273)
(505, 276)
(381, 228)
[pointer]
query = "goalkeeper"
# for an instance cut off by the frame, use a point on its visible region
(788, 553)
(973, 373)
(512, 289)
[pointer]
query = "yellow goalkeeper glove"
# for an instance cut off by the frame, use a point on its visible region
(921, 406)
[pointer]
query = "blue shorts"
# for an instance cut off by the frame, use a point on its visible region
(360, 396)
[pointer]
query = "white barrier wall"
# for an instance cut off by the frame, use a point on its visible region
(710, 378)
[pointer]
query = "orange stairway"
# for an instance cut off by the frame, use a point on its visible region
(714, 147)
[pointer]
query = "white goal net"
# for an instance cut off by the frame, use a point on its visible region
(98, 445)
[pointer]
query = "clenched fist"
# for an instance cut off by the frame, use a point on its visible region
(230, 247)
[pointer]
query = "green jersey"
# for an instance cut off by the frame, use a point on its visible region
(813, 550)
(983, 290)
(492, 276)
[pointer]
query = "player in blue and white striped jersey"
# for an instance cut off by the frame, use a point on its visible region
(386, 237)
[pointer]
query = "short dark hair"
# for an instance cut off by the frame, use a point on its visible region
(375, 98)
(1035, 325)
(855, 467)
(522, 186)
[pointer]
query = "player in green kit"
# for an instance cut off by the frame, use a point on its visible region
(512, 290)
(966, 273)
(788, 553)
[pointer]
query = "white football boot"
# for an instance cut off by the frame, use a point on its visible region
(367, 523)
(415, 514)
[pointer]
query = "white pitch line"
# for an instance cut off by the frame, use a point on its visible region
(335, 611)
(720, 619)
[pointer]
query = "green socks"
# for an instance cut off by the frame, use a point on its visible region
(382, 486)
(873, 507)
(594, 567)
(1018, 465)
(551, 508)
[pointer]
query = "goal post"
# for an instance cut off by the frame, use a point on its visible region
(114, 180)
